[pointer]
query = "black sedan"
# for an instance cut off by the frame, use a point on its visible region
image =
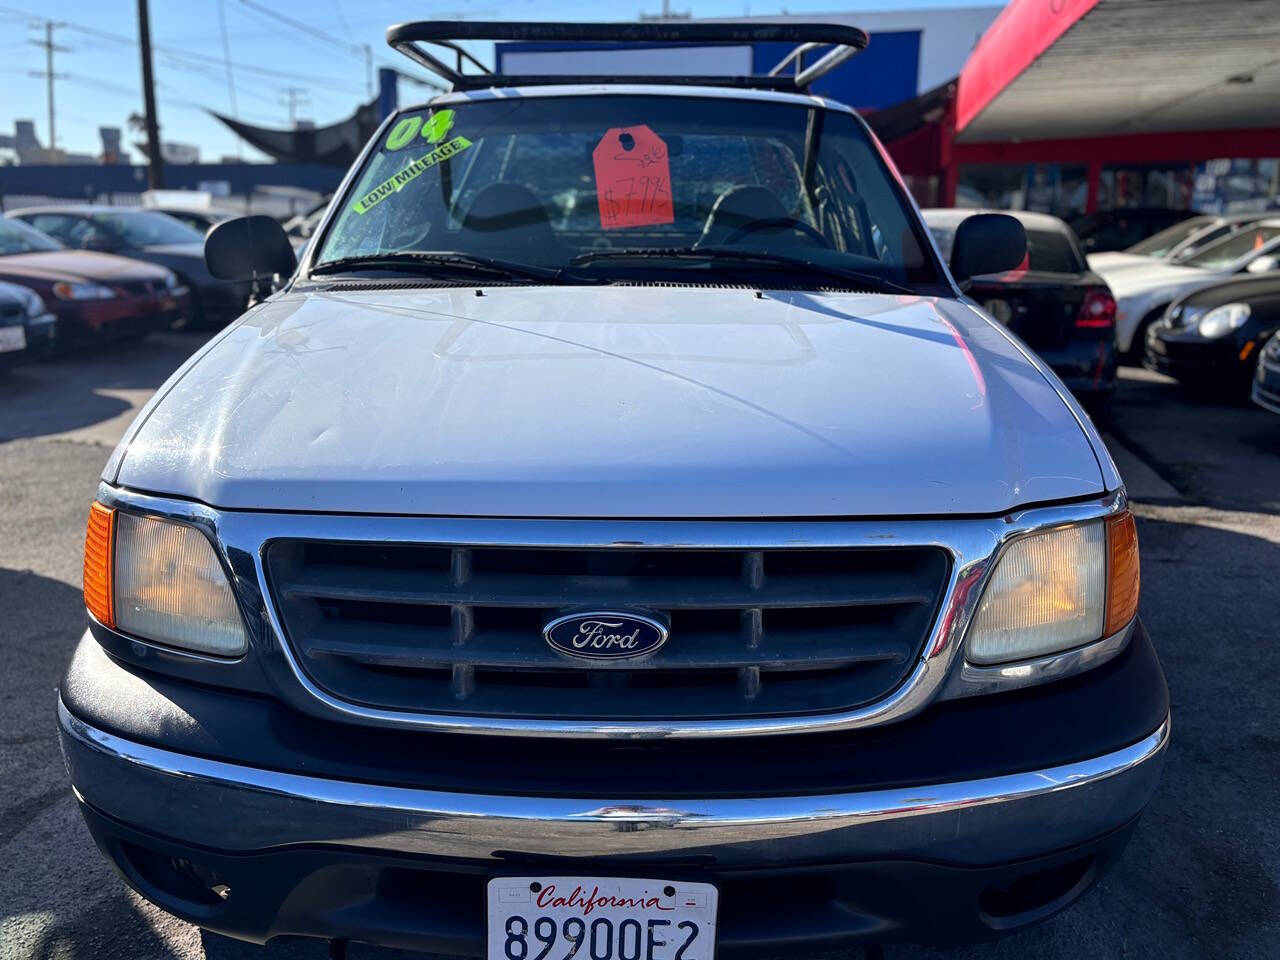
(145, 235)
(1211, 338)
(1053, 301)
(1266, 383)
(27, 327)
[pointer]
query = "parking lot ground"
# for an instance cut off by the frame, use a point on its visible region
(1199, 879)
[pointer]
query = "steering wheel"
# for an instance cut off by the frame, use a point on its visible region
(773, 223)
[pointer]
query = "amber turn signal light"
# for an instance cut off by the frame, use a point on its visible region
(1122, 572)
(99, 541)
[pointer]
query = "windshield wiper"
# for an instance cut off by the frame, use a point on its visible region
(432, 263)
(734, 255)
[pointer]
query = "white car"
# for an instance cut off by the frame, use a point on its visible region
(1176, 243)
(1143, 293)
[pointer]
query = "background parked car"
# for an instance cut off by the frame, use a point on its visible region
(1054, 302)
(146, 235)
(1266, 384)
(1212, 336)
(27, 328)
(197, 218)
(1118, 229)
(94, 295)
(1175, 244)
(1143, 294)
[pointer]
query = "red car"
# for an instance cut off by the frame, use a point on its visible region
(94, 295)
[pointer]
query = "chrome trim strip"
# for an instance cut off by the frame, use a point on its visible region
(973, 543)
(970, 679)
(233, 807)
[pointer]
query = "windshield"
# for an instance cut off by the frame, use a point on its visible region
(147, 229)
(1230, 249)
(1159, 244)
(544, 180)
(17, 237)
(1049, 251)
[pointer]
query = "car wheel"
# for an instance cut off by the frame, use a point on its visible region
(1138, 345)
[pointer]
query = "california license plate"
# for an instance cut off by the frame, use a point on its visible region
(600, 918)
(12, 338)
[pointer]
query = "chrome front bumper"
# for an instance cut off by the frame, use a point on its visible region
(233, 808)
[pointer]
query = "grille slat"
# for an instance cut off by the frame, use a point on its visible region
(458, 629)
(525, 590)
(379, 644)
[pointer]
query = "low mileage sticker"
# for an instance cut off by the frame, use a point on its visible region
(414, 170)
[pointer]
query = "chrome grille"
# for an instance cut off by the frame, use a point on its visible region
(458, 629)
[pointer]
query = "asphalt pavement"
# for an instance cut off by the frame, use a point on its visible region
(1198, 880)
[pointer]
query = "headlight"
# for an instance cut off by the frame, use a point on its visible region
(1056, 590)
(82, 291)
(1220, 321)
(161, 581)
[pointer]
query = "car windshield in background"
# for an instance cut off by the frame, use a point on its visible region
(147, 229)
(1051, 251)
(1230, 249)
(595, 186)
(1048, 251)
(17, 237)
(1159, 244)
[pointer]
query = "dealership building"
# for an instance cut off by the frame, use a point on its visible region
(1061, 106)
(1068, 106)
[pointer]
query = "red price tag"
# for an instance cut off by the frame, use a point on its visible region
(633, 179)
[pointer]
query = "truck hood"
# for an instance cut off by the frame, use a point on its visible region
(611, 402)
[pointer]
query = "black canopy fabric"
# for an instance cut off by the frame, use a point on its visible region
(336, 145)
(910, 115)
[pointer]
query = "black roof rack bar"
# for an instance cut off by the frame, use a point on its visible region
(846, 42)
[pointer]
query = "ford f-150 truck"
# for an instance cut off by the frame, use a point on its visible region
(620, 536)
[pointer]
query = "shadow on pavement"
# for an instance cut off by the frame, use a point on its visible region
(89, 387)
(1224, 453)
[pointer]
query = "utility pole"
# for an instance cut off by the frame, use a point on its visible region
(49, 49)
(293, 96)
(155, 169)
(368, 69)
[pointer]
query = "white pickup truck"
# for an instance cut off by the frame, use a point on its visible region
(620, 537)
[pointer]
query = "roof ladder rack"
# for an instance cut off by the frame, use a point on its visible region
(844, 42)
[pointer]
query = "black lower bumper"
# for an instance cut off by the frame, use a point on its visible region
(438, 906)
(977, 817)
(1086, 367)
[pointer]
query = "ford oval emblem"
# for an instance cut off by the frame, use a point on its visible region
(605, 635)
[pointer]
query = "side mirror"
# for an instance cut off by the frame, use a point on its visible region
(1263, 264)
(987, 243)
(248, 248)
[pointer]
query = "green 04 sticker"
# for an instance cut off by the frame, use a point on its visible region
(434, 130)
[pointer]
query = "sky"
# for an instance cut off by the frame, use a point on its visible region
(321, 69)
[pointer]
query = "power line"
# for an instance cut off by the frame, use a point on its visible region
(344, 45)
(312, 81)
(361, 50)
